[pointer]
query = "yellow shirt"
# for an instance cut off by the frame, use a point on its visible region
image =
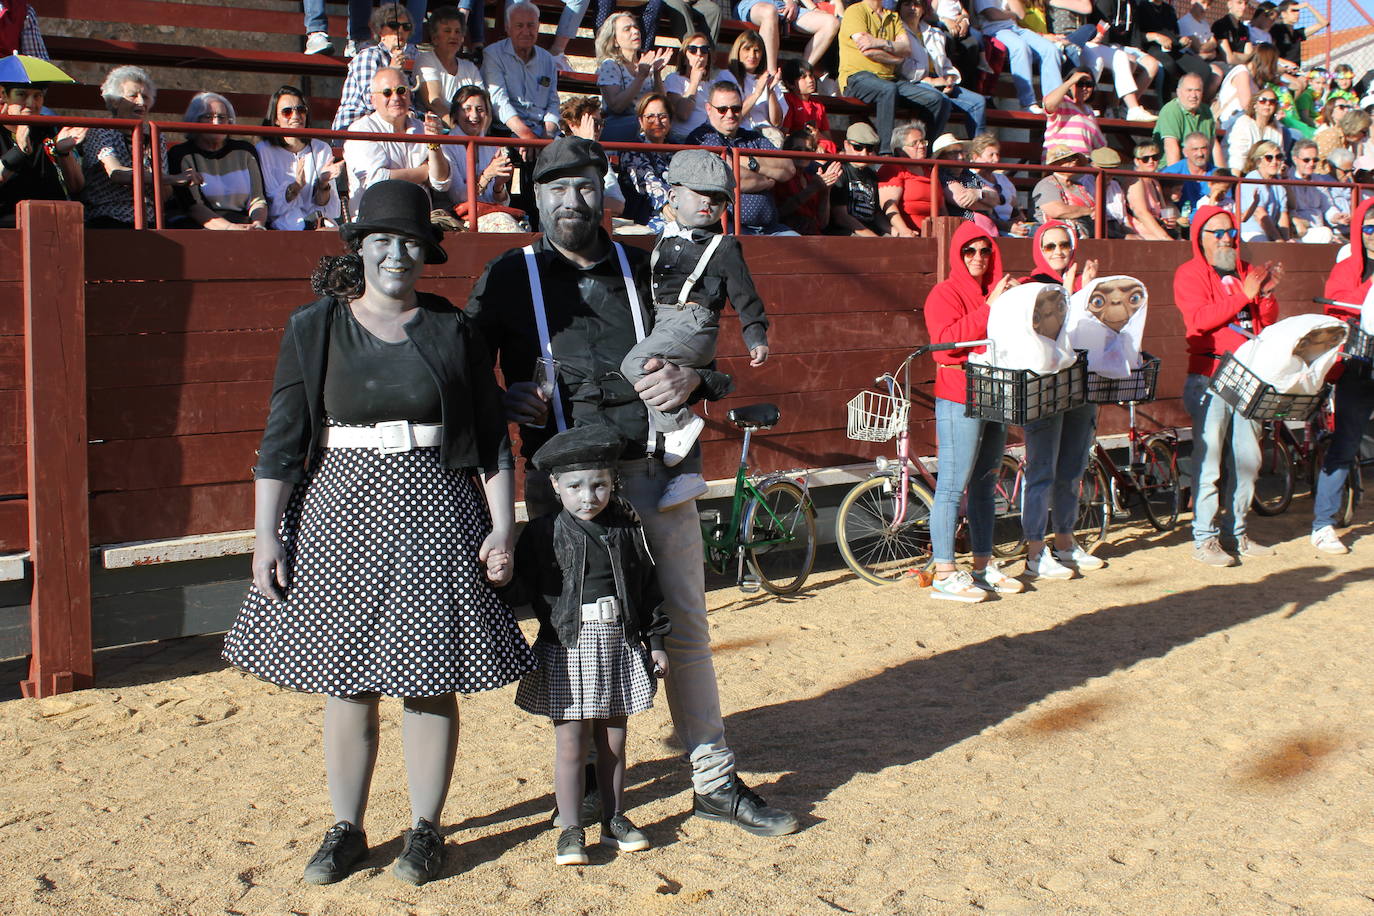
(882, 25)
(1035, 21)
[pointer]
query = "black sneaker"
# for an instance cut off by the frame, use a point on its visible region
(422, 854)
(620, 833)
(591, 800)
(571, 848)
(343, 847)
(741, 805)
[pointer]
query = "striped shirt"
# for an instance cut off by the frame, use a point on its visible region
(1073, 125)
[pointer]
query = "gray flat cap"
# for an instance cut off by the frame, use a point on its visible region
(701, 171)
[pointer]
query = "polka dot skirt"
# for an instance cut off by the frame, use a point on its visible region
(386, 594)
(604, 676)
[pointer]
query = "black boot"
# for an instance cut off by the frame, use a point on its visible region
(741, 805)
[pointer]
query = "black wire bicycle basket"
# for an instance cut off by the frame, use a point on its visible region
(1135, 388)
(1358, 345)
(1255, 399)
(1019, 396)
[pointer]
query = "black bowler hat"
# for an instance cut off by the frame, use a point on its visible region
(580, 448)
(570, 154)
(396, 206)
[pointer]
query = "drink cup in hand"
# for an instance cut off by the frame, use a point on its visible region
(546, 377)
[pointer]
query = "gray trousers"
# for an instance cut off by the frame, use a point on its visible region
(675, 541)
(695, 16)
(682, 336)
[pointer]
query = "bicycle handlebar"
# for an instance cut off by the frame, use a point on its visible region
(957, 345)
(1322, 300)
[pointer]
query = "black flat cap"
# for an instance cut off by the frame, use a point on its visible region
(569, 154)
(580, 448)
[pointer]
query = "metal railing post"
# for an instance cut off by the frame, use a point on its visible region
(136, 157)
(155, 139)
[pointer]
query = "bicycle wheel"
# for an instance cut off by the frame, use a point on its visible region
(877, 545)
(1159, 486)
(1008, 537)
(784, 515)
(1094, 507)
(1274, 484)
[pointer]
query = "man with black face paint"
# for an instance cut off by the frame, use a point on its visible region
(579, 302)
(1214, 291)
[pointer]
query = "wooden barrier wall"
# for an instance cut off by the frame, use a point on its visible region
(183, 328)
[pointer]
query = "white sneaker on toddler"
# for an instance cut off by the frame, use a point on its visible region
(681, 489)
(679, 442)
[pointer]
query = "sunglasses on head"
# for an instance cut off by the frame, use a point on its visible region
(1219, 234)
(290, 110)
(1057, 246)
(698, 49)
(397, 25)
(976, 251)
(388, 92)
(728, 109)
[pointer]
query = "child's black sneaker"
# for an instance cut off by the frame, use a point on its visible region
(571, 850)
(619, 833)
(422, 855)
(343, 847)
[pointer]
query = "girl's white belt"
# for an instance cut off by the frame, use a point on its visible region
(603, 610)
(387, 438)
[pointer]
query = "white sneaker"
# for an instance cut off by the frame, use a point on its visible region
(992, 579)
(351, 49)
(560, 63)
(1035, 108)
(1079, 558)
(678, 443)
(318, 43)
(682, 489)
(1326, 540)
(957, 586)
(1045, 566)
(1140, 114)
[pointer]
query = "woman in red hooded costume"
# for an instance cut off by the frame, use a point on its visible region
(1349, 283)
(1214, 290)
(969, 450)
(1057, 447)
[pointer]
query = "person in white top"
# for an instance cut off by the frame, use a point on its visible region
(764, 106)
(442, 72)
(470, 113)
(929, 63)
(690, 87)
(626, 72)
(371, 161)
(297, 174)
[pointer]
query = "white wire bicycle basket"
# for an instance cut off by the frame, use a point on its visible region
(875, 417)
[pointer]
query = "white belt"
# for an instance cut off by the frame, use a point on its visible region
(602, 610)
(387, 438)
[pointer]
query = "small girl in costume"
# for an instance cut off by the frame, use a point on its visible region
(590, 579)
(695, 270)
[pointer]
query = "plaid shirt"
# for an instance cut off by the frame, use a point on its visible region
(30, 39)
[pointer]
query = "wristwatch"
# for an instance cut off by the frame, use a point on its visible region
(753, 164)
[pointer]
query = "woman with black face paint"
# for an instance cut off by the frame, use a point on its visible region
(376, 553)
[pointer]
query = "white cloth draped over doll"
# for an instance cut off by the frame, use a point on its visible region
(1029, 329)
(1107, 318)
(1295, 354)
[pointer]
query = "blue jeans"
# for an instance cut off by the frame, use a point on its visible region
(359, 11)
(1023, 46)
(932, 106)
(1215, 426)
(970, 453)
(476, 11)
(973, 107)
(1057, 451)
(315, 19)
(1354, 403)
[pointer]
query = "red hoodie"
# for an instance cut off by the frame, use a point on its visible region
(1043, 272)
(1210, 304)
(957, 309)
(1347, 282)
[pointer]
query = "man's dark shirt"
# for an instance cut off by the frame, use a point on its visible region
(857, 192)
(758, 211)
(589, 323)
(1229, 29)
(1288, 41)
(1155, 17)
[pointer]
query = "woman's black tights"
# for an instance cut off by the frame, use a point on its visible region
(429, 734)
(569, 784)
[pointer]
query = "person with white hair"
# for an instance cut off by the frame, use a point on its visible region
(107, 155)
(522, 77)
(370, 161)
(229, 192)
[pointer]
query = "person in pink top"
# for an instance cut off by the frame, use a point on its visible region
(1069, 116)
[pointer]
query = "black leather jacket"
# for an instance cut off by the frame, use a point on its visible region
(553, 543)
(475, 433)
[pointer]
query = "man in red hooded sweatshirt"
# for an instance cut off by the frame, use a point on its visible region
(1215, 290)
(1349, 283)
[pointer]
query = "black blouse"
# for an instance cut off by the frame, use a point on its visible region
(368, 380)
(35, 175)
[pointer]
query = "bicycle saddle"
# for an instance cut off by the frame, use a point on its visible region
(755, 416)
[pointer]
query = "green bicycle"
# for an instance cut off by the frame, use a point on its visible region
(772, 524)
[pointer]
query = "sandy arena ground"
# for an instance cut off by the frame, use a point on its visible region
(1158, 738)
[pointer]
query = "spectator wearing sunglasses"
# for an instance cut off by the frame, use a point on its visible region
(689, 89)
(1145, 198)
(1215, 290)
(371, 161)
(1265, 209)
(1258, 123)
(392, 30)
(1316, 218)
(855, 208)
(363, 18)
(298, 173)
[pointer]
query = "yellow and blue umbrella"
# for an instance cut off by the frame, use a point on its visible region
(23, 70)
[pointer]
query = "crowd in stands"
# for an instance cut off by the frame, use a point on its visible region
(1238, 101)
